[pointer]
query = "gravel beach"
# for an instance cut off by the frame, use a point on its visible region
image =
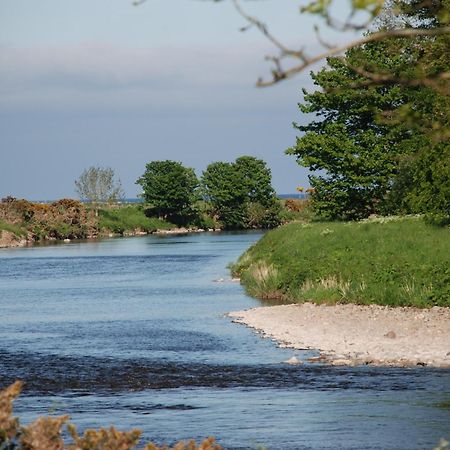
(357, 335)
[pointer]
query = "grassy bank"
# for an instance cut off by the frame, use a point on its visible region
(129, 219)
(389, 262)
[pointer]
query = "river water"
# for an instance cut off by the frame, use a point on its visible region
(132, 332)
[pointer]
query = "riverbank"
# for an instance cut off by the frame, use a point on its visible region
(10, 240)
(24, 223)
(390, 261)
(357, 335)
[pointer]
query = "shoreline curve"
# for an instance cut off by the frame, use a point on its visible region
(352, 335)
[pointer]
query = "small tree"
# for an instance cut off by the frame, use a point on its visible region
(241, 193)
(99, 185)
(170, 189)
(224, 190)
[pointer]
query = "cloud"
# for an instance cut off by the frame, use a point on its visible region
(93, 75)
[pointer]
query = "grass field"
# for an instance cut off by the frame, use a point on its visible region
(402, 262)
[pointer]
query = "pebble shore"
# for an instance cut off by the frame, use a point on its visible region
(357, 335)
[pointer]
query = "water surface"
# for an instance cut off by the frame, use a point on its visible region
(132, 332)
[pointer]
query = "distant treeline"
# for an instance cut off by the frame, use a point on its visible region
(237, 195)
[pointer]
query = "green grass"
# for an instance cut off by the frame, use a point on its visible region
(129, 219)
(394, 262)
(16, 229)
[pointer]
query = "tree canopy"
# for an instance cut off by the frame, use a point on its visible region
(99, 185)
(241, 193)
(170, 189)
(380, 147)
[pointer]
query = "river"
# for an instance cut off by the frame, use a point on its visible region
(133, 332)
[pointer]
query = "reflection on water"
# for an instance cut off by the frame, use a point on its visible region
(132, 332)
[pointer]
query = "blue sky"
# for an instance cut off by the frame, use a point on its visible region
(106, 83)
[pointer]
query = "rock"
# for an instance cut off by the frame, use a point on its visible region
(341, 362)
(318, 359)
(293, 361)
(390, 335)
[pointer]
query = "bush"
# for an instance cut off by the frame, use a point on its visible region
(15, 229)
(63, 219)
(296, 210)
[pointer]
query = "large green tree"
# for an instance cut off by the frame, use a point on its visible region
(170, 189)
(368, 139)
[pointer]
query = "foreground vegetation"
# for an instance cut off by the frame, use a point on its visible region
(395, 262)
(46, 433)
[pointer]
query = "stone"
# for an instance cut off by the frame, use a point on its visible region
(293, 361)
(341, 362)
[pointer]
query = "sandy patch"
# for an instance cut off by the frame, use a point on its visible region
(356, 335)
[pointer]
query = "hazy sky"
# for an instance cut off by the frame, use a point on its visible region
(106, 83)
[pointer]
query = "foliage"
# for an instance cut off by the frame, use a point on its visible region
(63, 219)
(256, 179)
(241, 194)
(395, 262)
(369, 138)
(99, 185)
(349, 151)
(46, 433)
(204, 217)
(224, 190)
(423, 184)
(15, 229)
(299, 210)
(170, 189)
(129, 218)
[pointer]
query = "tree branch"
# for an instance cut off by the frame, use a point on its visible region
(377, 36)
(304, 60)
